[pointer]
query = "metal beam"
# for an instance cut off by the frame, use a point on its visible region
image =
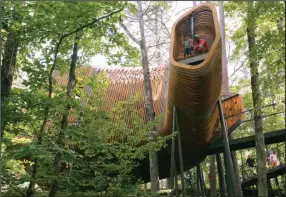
(247, 142)
(173, 162)
(228, 164)
(180, 156)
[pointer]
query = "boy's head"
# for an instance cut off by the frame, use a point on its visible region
(197, 37)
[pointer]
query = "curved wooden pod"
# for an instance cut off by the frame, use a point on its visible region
(194, 90)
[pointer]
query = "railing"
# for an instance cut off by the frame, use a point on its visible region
(246, 171)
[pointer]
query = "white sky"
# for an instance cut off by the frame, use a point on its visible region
(181, 7)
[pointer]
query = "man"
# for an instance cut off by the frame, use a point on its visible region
(200, 45)
(250, 163)
(187, 50)
(273, 159)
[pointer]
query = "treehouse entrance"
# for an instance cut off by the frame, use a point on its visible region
(199, 22)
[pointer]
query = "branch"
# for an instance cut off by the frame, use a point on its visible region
(238, 68)
(162, 24)
(14, 188)
(158, 44)
(184, 10)
(147, 8)
(129, 33)
(92, 22)
(149, 59)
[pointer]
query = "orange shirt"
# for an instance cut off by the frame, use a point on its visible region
(201, 42)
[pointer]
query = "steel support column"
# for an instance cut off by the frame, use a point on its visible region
(200, 176)
(198, 182)
(180, 156)
(277, 185)
(173, 172)
(229, 166)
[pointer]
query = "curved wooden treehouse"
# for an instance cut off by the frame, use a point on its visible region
(193, 85)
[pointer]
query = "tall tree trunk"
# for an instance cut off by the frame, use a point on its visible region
(7, 70)
(153, 160)
(226, 86)
(8, 64)
(64, 122)
(212, 175)
(221, 176)
(236, 168)
(158, 55)
(224, 57)
(259, 138)
(30, 191)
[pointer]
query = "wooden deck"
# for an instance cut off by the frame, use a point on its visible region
(247, 142)
(279, 170)
(194, 59)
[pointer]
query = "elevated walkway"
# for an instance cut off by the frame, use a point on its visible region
(247, 142)
(272, 173)
(194, 60)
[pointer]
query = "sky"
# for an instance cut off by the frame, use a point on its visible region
(181, 7)
(178, 9)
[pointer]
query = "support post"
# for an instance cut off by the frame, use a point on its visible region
(221, 178)
(198, 181)
(176, 184)
(180, 157)
(230, 170)
(201, 180)
(227, 178)
(277, 185)
(269, 184)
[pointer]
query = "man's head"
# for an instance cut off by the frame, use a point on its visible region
(197, 37)
(249, 156)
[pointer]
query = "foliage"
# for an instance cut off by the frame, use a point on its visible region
(91, 155)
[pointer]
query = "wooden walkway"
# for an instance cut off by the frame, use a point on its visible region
(274, 172)
(247, 142)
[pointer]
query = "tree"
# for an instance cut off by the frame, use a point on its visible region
(263, 21)
(259, 137)
(212, 176)
(153, 161)
(226, 86)
(38, 67)
(154, 172)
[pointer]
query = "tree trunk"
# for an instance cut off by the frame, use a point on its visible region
(7, 70)
(8, 64)
(30, 191)
(236, 168)
(153, 160)
(212, 175)
(259, 138)
(221, 177)
(225, 83)
(226, 86)
(64, 122)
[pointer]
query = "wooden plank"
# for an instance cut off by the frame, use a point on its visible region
(194, 58)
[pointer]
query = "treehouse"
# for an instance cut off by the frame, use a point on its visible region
(192, 85)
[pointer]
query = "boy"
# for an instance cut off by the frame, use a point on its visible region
(187, 44)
